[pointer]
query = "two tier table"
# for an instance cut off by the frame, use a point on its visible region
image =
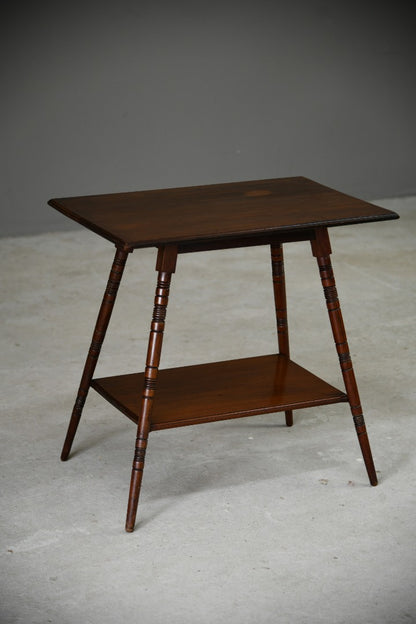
(200, 218)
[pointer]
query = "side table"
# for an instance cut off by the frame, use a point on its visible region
(201, 218)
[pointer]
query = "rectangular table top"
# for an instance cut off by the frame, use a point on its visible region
(217, 211)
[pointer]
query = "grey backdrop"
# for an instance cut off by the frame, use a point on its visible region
(109, 96)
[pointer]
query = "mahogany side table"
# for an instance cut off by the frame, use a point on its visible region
(200, 218)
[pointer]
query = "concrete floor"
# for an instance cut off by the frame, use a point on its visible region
(241, 521)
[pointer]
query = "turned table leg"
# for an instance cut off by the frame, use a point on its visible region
(321, 249)
(279, 288)
(166, 264)
(101, 325)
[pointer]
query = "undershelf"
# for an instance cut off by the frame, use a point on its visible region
(220, 390)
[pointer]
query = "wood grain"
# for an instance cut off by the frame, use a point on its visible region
(216, 212)
(220, 390)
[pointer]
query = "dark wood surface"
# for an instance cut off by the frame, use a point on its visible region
(100, 330)
(220, 390)
(216, 212)
(280, 305)
(321, 249)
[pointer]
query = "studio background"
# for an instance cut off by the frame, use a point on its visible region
(129, 95)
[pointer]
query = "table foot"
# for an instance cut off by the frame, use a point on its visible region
(101, 325)
(136, 480)
(321, 249)
(289, 418)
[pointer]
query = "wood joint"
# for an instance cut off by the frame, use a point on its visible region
(321, 247)
(166, 258)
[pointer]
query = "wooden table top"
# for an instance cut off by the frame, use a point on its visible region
(218, 211)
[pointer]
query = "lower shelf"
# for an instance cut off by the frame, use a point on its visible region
(221, 390)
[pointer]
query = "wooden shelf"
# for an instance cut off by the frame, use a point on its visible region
(220, 390)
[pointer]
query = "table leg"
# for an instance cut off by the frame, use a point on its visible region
(321, 249)
(279, 288)
(166, 264)
(101, 325)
